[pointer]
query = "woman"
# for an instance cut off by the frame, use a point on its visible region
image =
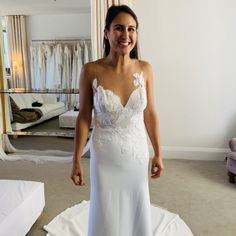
(120, 89)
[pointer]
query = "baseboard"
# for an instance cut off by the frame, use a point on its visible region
(193, 153)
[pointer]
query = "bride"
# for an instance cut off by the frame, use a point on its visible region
(119, 87)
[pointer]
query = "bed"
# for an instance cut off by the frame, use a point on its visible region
(21, 203)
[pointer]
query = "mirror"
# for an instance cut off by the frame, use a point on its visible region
(58, 44)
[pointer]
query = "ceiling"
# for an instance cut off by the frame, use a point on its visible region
(43, 7)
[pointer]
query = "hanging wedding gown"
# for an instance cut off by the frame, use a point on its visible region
(119, 199)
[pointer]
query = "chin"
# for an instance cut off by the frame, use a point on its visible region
(125, 51)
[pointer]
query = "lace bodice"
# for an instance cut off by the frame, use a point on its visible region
(110, 112)
(120, 128)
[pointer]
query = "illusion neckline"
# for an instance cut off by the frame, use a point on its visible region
(135, 75)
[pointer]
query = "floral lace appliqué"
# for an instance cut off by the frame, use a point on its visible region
(121, 128)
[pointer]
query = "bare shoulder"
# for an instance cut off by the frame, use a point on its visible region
(90, 69)
(146, 68)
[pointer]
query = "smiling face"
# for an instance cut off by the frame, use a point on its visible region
(122, 34)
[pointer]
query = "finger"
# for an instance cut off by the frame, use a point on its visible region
(157, 175)
(157, 172)
(76, 179)
(154, 169)
(81, 180)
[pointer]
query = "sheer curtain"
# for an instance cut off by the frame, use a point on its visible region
(17, 40)
(98, 14)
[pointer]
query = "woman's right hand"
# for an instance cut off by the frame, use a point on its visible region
(77, 174)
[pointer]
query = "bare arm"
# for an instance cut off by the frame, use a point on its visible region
(151, 123)
(82, 123)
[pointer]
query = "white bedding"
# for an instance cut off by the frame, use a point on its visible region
(21, 203)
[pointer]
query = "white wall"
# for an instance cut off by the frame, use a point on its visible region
(191, 45)
(71, 26)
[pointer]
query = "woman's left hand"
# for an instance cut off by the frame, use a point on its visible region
(157, 167)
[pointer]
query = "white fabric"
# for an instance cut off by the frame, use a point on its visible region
(77, 65)
(66, 76)
(21, 203)
(76, 69)
(57, 65)
(54, 111)
(41, 79)
(119, 163)
(18, 99)
(40, 156)
(86, 53)
(68, 119)
(50, 107)
(47, 108)
(74, 221)
(25, 100)
(33, 66)
(28, 98)
(37, 97)
(50, 67)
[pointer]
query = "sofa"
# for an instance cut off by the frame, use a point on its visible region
(231, 161)
(33, 109)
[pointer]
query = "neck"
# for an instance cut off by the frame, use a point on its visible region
(119, 62)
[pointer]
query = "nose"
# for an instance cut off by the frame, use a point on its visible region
(125, 33)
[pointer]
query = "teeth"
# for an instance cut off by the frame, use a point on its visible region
(124, 44)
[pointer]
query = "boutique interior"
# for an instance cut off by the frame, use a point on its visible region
(43, 53)
(44, 44)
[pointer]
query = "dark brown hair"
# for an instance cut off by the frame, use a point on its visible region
(112, 12)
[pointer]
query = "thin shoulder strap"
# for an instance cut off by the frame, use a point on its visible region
(138, 79)
(95, 83)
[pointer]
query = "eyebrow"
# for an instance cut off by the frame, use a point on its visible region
(123, 25)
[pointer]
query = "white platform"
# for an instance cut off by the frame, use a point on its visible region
(21, 203)
(68, 119)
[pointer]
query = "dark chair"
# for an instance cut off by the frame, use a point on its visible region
(231, 161)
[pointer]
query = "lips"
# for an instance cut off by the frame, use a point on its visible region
(124, 43)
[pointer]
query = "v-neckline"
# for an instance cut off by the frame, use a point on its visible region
(138, 85)
(118, 97)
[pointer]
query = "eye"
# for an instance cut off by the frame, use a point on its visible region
(132, 29)
(119, 28)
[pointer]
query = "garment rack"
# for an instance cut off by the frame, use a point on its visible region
(60, 41)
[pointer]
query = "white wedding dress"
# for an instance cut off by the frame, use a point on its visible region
(119, 199)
